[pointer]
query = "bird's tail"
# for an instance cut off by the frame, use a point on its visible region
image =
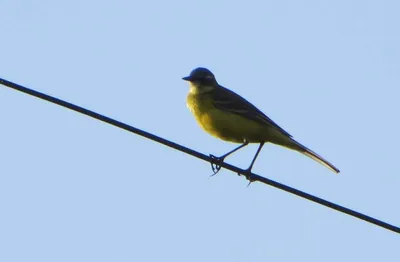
(311, 154)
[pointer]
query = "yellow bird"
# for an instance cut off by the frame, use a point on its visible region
(228, 116)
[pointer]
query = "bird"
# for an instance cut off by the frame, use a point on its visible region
(228, 116)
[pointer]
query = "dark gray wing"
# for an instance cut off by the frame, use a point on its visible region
(227, 100)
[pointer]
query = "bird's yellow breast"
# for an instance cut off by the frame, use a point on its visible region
(224, 125)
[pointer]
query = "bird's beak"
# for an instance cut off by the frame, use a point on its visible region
(187, 78)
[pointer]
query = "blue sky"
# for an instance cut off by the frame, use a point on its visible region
(75, 189)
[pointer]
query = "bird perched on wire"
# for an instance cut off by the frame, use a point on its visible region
(228, 116)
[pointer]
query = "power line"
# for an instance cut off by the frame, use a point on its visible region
(199, 155)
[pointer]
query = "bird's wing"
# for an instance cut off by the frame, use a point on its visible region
(227, 100)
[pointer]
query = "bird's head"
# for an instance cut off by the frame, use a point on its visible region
(201, 78)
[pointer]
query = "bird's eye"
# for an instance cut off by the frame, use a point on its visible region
(208, 77)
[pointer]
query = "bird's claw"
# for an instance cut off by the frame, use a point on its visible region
(214, 164)
(248, 175)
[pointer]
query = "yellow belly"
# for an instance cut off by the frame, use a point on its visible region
(224, 125)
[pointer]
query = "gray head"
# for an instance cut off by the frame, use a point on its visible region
(201, 77)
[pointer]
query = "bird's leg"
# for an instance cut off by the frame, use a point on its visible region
(247, 172)
(214, 165)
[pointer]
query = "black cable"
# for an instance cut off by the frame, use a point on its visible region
(189, 151)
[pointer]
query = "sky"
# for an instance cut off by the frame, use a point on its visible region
(76, 189)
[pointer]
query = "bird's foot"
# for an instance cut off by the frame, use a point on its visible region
(248, 175)
(215, 164)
